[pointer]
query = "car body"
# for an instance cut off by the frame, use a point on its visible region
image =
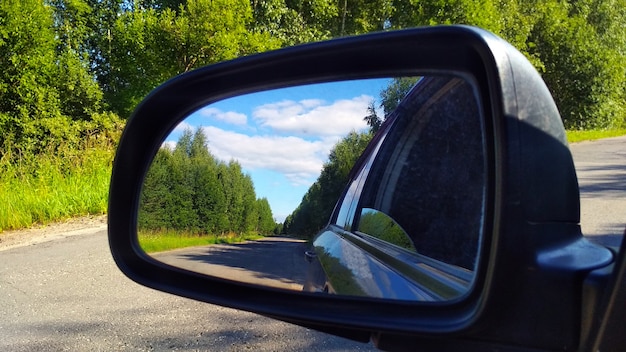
(409, 223)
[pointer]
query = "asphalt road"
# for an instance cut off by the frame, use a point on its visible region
(601, 170)
(67, 294)
(273, 261)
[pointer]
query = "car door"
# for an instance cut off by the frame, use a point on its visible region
(389, 237)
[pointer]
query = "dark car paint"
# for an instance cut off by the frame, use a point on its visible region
(373, 268)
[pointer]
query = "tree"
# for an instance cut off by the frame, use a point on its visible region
(27, 58)
(188, 189)
(181, 208)
(585, 74)
(290, 25)
(234, 184)
(156, 209)
(316, 206)
(360, 16)
(393, 94)
(250, 213)
(390, 98)
(149, 45)
(577, 46)
(44, 82)
(483, 13)
(266, 223)
(208, 199)
(372, 119)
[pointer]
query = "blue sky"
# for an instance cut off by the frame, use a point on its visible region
(282, 137)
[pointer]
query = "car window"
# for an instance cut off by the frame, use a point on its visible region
(380, 225)
(430, 184)
(348, 204)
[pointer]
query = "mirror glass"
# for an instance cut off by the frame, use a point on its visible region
(372, 187)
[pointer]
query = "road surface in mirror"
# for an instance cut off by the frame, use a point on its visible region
(270, 261)
(242, 187)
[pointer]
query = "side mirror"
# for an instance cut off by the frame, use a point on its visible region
(461, 213)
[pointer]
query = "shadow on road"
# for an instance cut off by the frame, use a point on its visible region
(607, 240)
(275, 259)
(602, 180)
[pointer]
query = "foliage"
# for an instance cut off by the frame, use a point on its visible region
(584, 73)
(73, 180)
(152, 241)
(578, 46)
(68, 68)
(372, 119)
(590, 135)
(390, 98)
(380, 225)
(146, 47)
(44, 82)
(292, 22)
(392, 95)
(187, 189)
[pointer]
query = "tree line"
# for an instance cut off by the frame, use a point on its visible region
(65, 61)
(577, 45)
(72, 71)
(314, 211)
(187, 189)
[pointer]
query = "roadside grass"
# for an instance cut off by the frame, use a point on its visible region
(152, 241)
(591, 135)
(54, 187)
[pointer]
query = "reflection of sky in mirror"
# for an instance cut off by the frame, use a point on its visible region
(282, 137)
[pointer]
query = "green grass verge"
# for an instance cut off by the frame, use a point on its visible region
(50, 188)
(590, 135)
(165, 240)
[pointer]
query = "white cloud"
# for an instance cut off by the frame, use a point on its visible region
(298, 159)
(171, 145)
(312, 117)
(231, 117)
(183, 126)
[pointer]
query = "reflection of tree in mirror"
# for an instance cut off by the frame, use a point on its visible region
(380, 225)
(390, 98)
(188, 190)
(341, 276)
(317, 204)
(396, 91)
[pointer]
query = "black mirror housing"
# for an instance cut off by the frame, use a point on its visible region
(533, 257)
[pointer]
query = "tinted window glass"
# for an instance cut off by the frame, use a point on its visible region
(429, 175)
(349, 203)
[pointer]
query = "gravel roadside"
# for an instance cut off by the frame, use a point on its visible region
(44, 233)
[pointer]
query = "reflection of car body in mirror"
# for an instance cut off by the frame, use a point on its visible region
(408, 225)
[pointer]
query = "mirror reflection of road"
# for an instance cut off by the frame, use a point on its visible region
(271, 261)
(601, 169)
